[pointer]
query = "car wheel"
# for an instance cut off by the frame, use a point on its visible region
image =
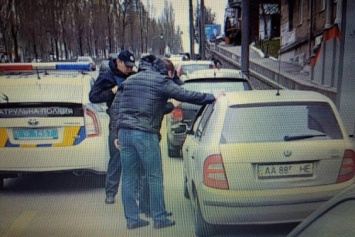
(186, 191)
(173, 151)
(202, 228)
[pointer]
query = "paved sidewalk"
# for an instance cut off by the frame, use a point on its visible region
(282, 74)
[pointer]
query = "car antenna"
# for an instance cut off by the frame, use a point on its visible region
(278, 76)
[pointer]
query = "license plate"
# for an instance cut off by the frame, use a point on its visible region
(35, 134)
(285, 170)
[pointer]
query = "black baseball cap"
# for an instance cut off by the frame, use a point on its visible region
(127, 57)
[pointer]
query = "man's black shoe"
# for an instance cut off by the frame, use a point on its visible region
(167, 213)
(110, 200)
(163, 224)
(138, 224)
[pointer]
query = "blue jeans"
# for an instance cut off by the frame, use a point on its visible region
(113, 174)
(143, 192)
(141, 148)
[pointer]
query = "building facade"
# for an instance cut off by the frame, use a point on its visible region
(320, 35)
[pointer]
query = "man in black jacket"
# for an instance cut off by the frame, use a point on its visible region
(104, 90)
(142, 102)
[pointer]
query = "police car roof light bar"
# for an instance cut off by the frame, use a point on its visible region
(27, 67)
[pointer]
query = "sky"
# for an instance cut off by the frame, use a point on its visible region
(181, 9)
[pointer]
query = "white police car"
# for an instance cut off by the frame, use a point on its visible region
(47, 122)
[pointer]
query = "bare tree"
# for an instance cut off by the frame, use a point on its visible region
(61, 29)
(124, 8)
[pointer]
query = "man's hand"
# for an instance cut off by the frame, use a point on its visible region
(114, 89)
(219, 94)
(117, 145)
(175, 103)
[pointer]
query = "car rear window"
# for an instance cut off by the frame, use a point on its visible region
(195, 67)
(280, 122)
(208, 86)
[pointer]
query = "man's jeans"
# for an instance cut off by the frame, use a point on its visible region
(138, 147)
(114, 167)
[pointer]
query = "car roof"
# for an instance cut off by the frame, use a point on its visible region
(105, 62)
(29, 85)
(113, 55)
(215, 73)
(272, 96)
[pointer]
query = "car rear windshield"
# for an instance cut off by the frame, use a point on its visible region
(280, 122)
(195, 67)
(208, 86)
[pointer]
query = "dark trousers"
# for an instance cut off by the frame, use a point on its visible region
(114, 167)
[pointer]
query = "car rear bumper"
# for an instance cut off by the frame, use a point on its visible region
(92, 154)
(264, 206)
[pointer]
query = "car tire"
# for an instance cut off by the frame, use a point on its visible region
(202, 228)
(173, 151)
(1, 182)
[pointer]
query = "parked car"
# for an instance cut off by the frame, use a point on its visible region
(48, 123)
(265, 157)
(104, 66)
(113, 55)
(176, 59)
(334, 218)
(208, 80)
(89, 60)
(190, 66)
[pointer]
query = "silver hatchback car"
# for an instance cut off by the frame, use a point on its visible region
(264, 157)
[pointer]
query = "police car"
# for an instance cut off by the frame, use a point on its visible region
(47, 122)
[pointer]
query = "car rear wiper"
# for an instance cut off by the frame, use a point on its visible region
(300, 137)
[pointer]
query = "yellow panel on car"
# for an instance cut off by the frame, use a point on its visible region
(3, 137)
(70, 136)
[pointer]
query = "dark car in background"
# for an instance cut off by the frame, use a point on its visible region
(104, 66)
(113, 55)
(209, 81)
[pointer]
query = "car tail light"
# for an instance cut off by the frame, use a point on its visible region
(347, 169)
(177, 114)
(91, 123)
(214, 174)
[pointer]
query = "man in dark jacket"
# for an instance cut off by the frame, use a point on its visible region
(142, 103)
(145, 63)
(104, 90)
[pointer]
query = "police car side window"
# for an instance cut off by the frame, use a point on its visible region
(204, 121)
